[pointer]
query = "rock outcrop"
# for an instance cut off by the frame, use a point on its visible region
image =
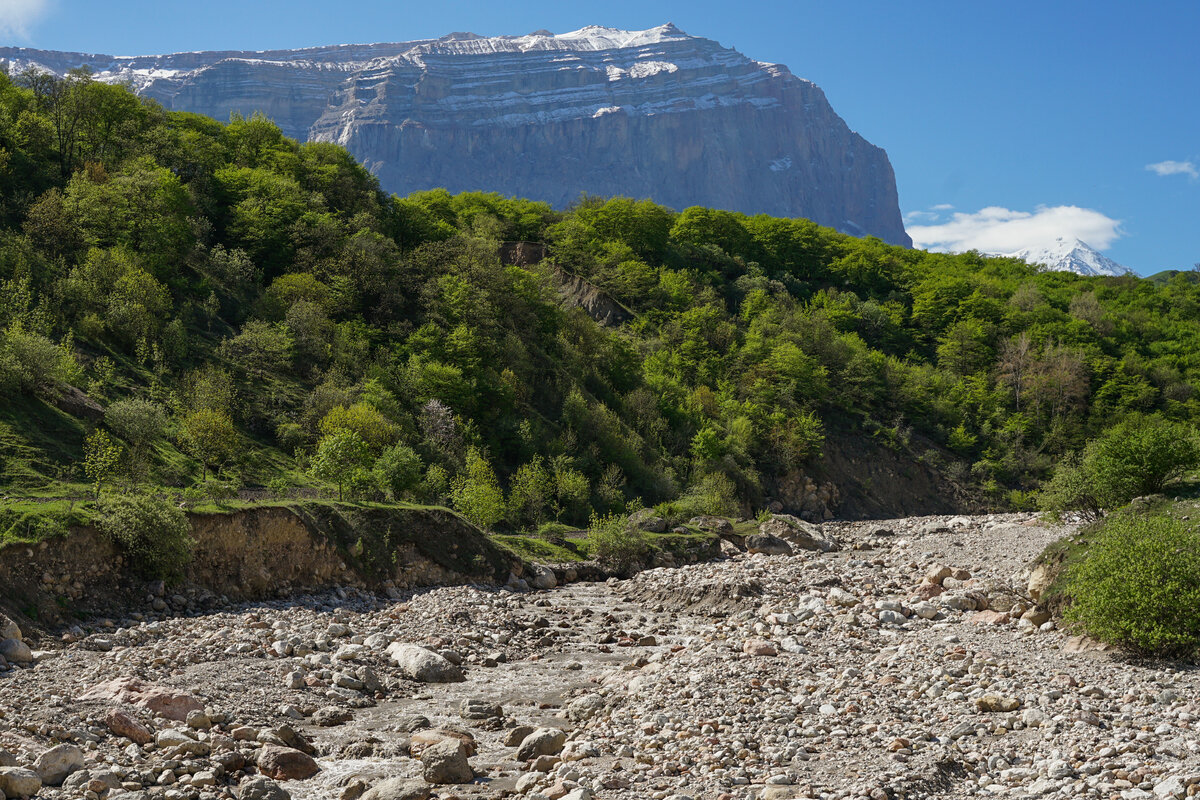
(656, 113)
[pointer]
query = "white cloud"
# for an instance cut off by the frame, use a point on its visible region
(16, 16)
(1002, 230)
(920, 216)
(941, 207)
(1174, 168)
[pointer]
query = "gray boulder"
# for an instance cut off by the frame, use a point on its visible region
(767, 545)
(9, 629)
(647, 520)
(397, 789)
(542, 742)
(16, 651)
(586, 707)
(542, 577)
(446, 763)
(54, 765)
(17, 782)
(707, 522)
(260, 788)
(418, 664)
(799, 534)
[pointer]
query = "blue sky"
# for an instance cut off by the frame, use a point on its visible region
(1006, 122)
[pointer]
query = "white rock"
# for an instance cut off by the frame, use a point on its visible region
(54, 765)
(418, 664)
(18, 782)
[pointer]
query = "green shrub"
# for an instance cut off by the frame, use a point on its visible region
(553, 530)
(1135, 457)
(141, 424)
(714, 494)
(339, 459)
(218, 491)
(613, 543)
(1140, 455)
(34, 363)
(152, 532)
(476, 492)
(279, 487)
(1138, 586)
(398, 471)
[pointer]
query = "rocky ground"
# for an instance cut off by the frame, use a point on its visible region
(910, 662)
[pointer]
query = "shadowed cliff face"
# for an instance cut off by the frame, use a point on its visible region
(656, 114)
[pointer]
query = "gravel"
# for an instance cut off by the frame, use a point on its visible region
(908, 662)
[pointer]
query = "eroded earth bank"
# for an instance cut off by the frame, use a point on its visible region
(910, 662)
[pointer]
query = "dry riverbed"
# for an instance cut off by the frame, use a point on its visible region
(910, 662)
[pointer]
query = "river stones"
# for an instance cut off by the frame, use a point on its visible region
(418, 664)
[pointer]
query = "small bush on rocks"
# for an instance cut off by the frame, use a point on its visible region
(553, 530)
(155, 534)
(612, 542)
(1139, 586)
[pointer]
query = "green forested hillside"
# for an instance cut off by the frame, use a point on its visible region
(229, 303)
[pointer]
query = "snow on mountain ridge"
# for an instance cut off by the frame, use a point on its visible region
(656, 113)
(1071, 255)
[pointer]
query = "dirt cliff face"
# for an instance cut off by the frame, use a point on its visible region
(656, 113)
(255, 554)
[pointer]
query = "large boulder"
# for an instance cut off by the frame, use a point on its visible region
(768, 545)
(261, 788)
(647, 519)
(418, 664)
(286, 763)
(287, 736)
(446, 763)
(54, 765)
(1041, 578)
(16, 651)
(431, 736)
(17, 782)
(542, 742)
(799, 534)
(9, 629)
(161, 700)
(542, 577)
(707, 522)
(585, 707)
(398, 789)
(122, 723)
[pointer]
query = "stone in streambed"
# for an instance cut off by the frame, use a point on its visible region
(397, 789)
(418, 664)
(446, 763)
(542, 742)
(286, 764)
(54, 765)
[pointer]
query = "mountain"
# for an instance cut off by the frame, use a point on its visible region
(655, 113)
(1071, 255)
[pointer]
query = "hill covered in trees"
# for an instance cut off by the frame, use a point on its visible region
(202, 306)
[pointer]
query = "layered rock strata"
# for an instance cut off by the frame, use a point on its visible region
(656, 113)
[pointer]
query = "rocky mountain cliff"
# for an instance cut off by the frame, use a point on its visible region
(656, 113)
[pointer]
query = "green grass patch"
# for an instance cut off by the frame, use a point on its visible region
(533, 548)
(31, 521)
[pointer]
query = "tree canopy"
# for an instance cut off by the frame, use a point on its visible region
(257, 294)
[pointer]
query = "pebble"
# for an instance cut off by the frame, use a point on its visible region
(837, 674)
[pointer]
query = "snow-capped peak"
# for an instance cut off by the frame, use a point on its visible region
(588, 39)
(1071, 255)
